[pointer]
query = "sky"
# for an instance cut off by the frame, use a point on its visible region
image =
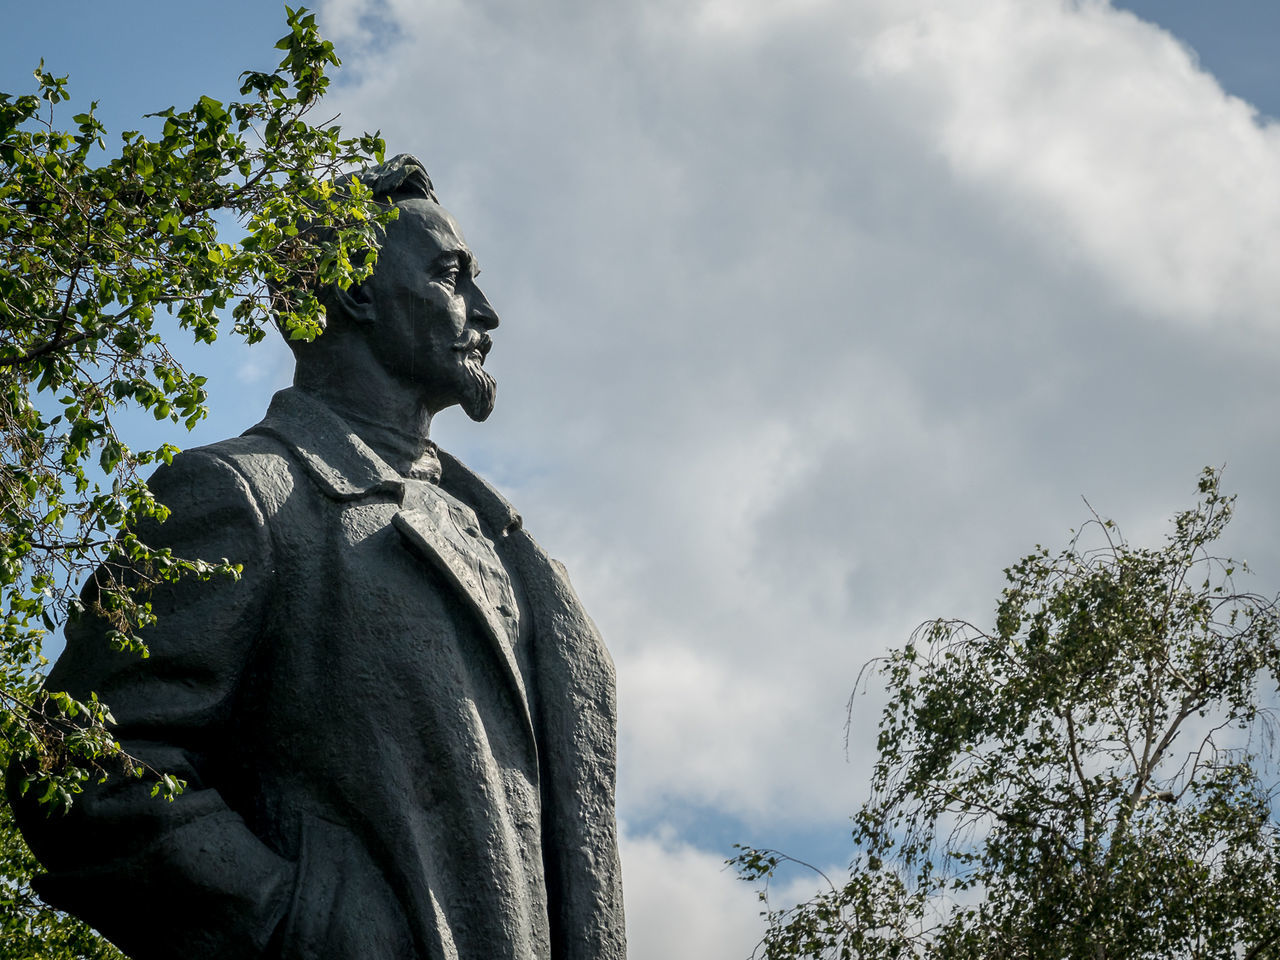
(815, 316)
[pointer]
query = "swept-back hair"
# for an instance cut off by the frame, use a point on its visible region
(400, 178)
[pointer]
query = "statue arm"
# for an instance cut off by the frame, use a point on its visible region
(184, 877)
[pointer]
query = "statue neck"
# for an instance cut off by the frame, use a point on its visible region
(391, 420)
(407, 452)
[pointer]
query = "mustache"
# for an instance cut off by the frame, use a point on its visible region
(474, 341)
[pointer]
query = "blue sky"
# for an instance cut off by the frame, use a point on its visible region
(1235, 40)
(815, 316)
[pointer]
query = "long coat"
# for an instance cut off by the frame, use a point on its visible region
(387, 756)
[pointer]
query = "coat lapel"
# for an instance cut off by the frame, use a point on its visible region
(423, 526)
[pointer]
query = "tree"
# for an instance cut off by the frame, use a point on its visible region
(103, 258)
(1088, 778)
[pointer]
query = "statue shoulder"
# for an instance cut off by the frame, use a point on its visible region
(255, 468)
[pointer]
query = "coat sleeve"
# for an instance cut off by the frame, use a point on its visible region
(186, 877)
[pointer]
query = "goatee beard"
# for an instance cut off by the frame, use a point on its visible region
(479, 391)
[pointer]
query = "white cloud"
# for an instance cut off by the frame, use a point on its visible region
(684, 902)
(1100, 133)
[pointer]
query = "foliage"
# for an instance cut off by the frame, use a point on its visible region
(1086, 779)
(104, 258)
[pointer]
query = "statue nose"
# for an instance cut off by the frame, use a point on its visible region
(483, 313)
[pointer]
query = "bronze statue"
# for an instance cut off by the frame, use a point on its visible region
(397, 730)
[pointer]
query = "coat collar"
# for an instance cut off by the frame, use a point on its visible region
(346, 468)
(340, 463)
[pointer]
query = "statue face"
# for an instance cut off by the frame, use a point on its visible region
(430, 323)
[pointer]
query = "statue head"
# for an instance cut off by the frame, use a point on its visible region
(420, 318)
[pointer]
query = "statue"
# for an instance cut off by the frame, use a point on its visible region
(397, 730)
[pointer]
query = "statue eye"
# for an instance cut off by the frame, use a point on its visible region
(448, 274)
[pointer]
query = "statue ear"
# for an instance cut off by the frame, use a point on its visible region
(354, 302)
